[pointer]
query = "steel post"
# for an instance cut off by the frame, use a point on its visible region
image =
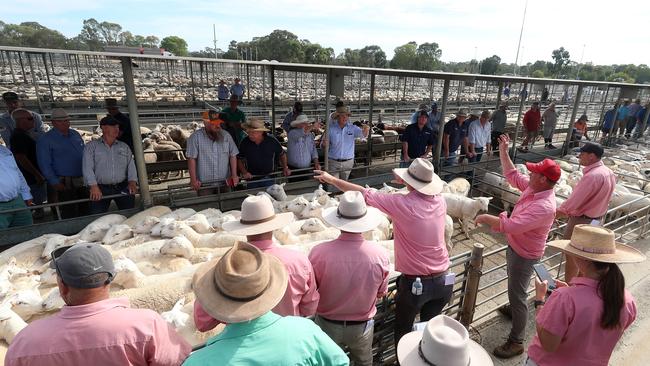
(272, 100)
(328, 92)
(574, 113)
(499, 95)
(441, 128)
(49, 82)
(35, 82)
(513, 149)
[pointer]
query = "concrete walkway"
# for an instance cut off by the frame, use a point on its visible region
(631, 349)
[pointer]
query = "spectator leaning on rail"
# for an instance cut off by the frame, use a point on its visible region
(234, 117)
(125, 135)
(23, 146)
(238, 89)
(580, 324)
(621, 117)
(259, 155)
(301, 148)
(416, 115)
(479, 137)
(435, 116)
(258, 220)
(590, 198)
(14, 193)
(240, 289)
(350, 265)
(211, 156)
(60, 154)
(420, 250)
(340, 139)
(93, 328)
(579, 131)
(549, 119)
(417, 140)
(455, 135)
(7, 124)
(498, 119)
(526, 231)
(291, 116)
(223, 93)
(108, 169)
(608, 122)
(532, 121)
(632, 110)
(640, 117)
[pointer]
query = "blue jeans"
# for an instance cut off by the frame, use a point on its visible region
(451, 160)
(479, 154)
(124, 202)
(262, 182)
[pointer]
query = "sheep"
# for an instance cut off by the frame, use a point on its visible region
(155, 211)
(563, 190)
(457, 186)
(568, 167)
(10, 324)
(178, 246)
(96, 230)
(464, 208)
(632, 203)
(277, 192)
(163, 222)
(56, 242)
(26, 252)
(200, 224)
(182, 213)
(492, 183)
(180, 316)
(449, 232)
(179, 136)
(574, 178)
(146, 225)
(632, 179)
(216, 222)
(26, 302)
(509, 195)
(286, 236)
(129, 275)
(214, 240)
(383, 231)
(117, 233)
(159, 296)
(176, 317)
(312, 225)
(297, 206)
(321, 195)
(53, 300)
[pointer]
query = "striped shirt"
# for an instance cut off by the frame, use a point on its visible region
(301, 149)
(479, 134)
(12, 183)
(103, 164)
(212, 157)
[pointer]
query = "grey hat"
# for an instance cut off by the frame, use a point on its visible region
(461, 113)
(9, 96)
(77, 262)
(423, 107)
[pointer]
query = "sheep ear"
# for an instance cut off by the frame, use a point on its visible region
(282, 185)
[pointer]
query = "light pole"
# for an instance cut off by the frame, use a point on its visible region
(521, 32)
(580, 64)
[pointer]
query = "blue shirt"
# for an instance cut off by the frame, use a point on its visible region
(286, 122)
(608, 121)
(301, 149)
(456, 134)
(417, 140)
(641, 114)
(434, 120)
(223, 92)
(60, 155)
(341, 140)
(237, 89)
(12, 182)
(7, 126)
(622, 113)
(270, 340)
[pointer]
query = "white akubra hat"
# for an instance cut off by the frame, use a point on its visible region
(444, 342)
(257, 217)
(300, 120)
(352, 215)
(421, 177)
(597, 243)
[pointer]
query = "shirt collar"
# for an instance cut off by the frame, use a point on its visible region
(263, 244)
(235, 330)
(545, 193)
(584, 281)
(351, 237)
(82, 311)
(595, 165)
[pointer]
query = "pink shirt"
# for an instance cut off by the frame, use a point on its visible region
(103, 333)
(301, 296)
(532, 217)
(574, 314)
(351, 273)
(591, 195)
(419, 230)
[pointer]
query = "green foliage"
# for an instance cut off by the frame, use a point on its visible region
(537, 74)
(30, 34)
(405, 57)
(561, 58)
(490, 65)
(175, 45)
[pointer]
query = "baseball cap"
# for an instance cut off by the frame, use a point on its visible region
(77, 262)
(9, 96)
(109, 121)
(547, 167)
(212, 117)
(594, 148)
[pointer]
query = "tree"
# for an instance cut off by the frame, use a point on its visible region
(372, 56)
(537, 74)
(316, 54)
(91, 35)
(490, 65)
(31, 34)
(110, 32)
(428, 56)
(405, 57)
(151, 41)
(561, 58)
(175, 45)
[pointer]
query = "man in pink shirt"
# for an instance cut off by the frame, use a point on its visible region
(526, 231)
(258, 220)
(351, 274)
(93, 328)
(420, 250)
(590, 198)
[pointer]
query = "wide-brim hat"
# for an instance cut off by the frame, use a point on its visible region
(342, 110)
(242, 285)
(59, 114)
(257, 217)
(444, 341)
(255, 124)
(352, 214)
(300, 120)
(598, 244)
(421, 177)
(461, 113)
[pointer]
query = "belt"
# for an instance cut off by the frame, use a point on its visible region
(340, 160)
(426, 277)
(590, 218)
(345, 322)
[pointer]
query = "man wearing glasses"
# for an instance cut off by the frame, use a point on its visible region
(7, 124)
(92, 327)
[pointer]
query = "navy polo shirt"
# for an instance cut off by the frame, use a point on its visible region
(456, 133)
(417, 139)
(260, 159)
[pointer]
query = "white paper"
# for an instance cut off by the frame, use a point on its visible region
(450, 278)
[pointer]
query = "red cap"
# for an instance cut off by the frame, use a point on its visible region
(547, 167)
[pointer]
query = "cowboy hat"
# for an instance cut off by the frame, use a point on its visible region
(444, 341)
(255, 124)
(341, 110)
(242, 285)
(300, 120)
(597, 243)
(421, 177)
(257, 217)
(352, 214)
(59, 114)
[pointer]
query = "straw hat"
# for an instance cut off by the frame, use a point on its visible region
(597, 243)
(352, 215)
(341, 110)
(421, 177)
(255, 124)
(257, 217)
(240, 286)
(59, 114)
(444, 341)
(300, 120)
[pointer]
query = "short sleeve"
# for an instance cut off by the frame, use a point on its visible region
(447, 128)
(558, 313)
(192, 151)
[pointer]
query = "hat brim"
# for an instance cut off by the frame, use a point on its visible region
(624, 253)
(408, 354)
(231, 311)
(430, 189)
(296, 124)
(248, 127)
(337, 114)
(279, 221)
(369, 221)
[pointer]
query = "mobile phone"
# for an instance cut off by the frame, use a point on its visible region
(543, 275)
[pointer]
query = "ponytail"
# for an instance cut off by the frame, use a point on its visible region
(612, 289)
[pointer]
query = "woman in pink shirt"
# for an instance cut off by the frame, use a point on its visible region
(581, 323)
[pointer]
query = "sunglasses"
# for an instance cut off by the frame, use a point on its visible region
(56, 254)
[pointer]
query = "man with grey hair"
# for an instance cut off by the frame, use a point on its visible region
(7, 124)
(92, 325)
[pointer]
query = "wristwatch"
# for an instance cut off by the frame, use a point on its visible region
(538, 303)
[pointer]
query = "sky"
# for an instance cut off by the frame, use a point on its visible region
(464, 29)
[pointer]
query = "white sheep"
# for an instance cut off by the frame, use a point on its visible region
(277, 192)
(155, 211)
(312, 225)
(210, 212)
(563, 190)
(199, 223)
(509, 195)
(145, 225)
(321, 195)
(26, 302)
(117, 233)
(630, 202)
(449, 232)
(57, 242)
(178, 246)
(176, 316)
(492, 183)
(573, 178)
(129, 275)
(287, 236)
(459, 186)
(96, 230)
(159, 297)
(214, 240)
(53, 300)
(566, 166)
(216, 222)
(464, 208)
(10, 324)
(182, 213)
(297, 205)
(157, 229)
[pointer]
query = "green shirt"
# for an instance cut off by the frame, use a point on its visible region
(234, 116)
(270, 340)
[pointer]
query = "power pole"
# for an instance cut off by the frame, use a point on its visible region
(214, 37)
(521, 32)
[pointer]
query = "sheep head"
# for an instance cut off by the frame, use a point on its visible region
(127, 273)
(312, 225)
(178, 246)
(277, 192)
(484, 202)
(297, 205)
(117, 233)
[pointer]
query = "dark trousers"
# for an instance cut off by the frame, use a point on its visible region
(479, 155)
(124, 202)
(495, 141)
(262, 182)
(434, 297)
(74, 190)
